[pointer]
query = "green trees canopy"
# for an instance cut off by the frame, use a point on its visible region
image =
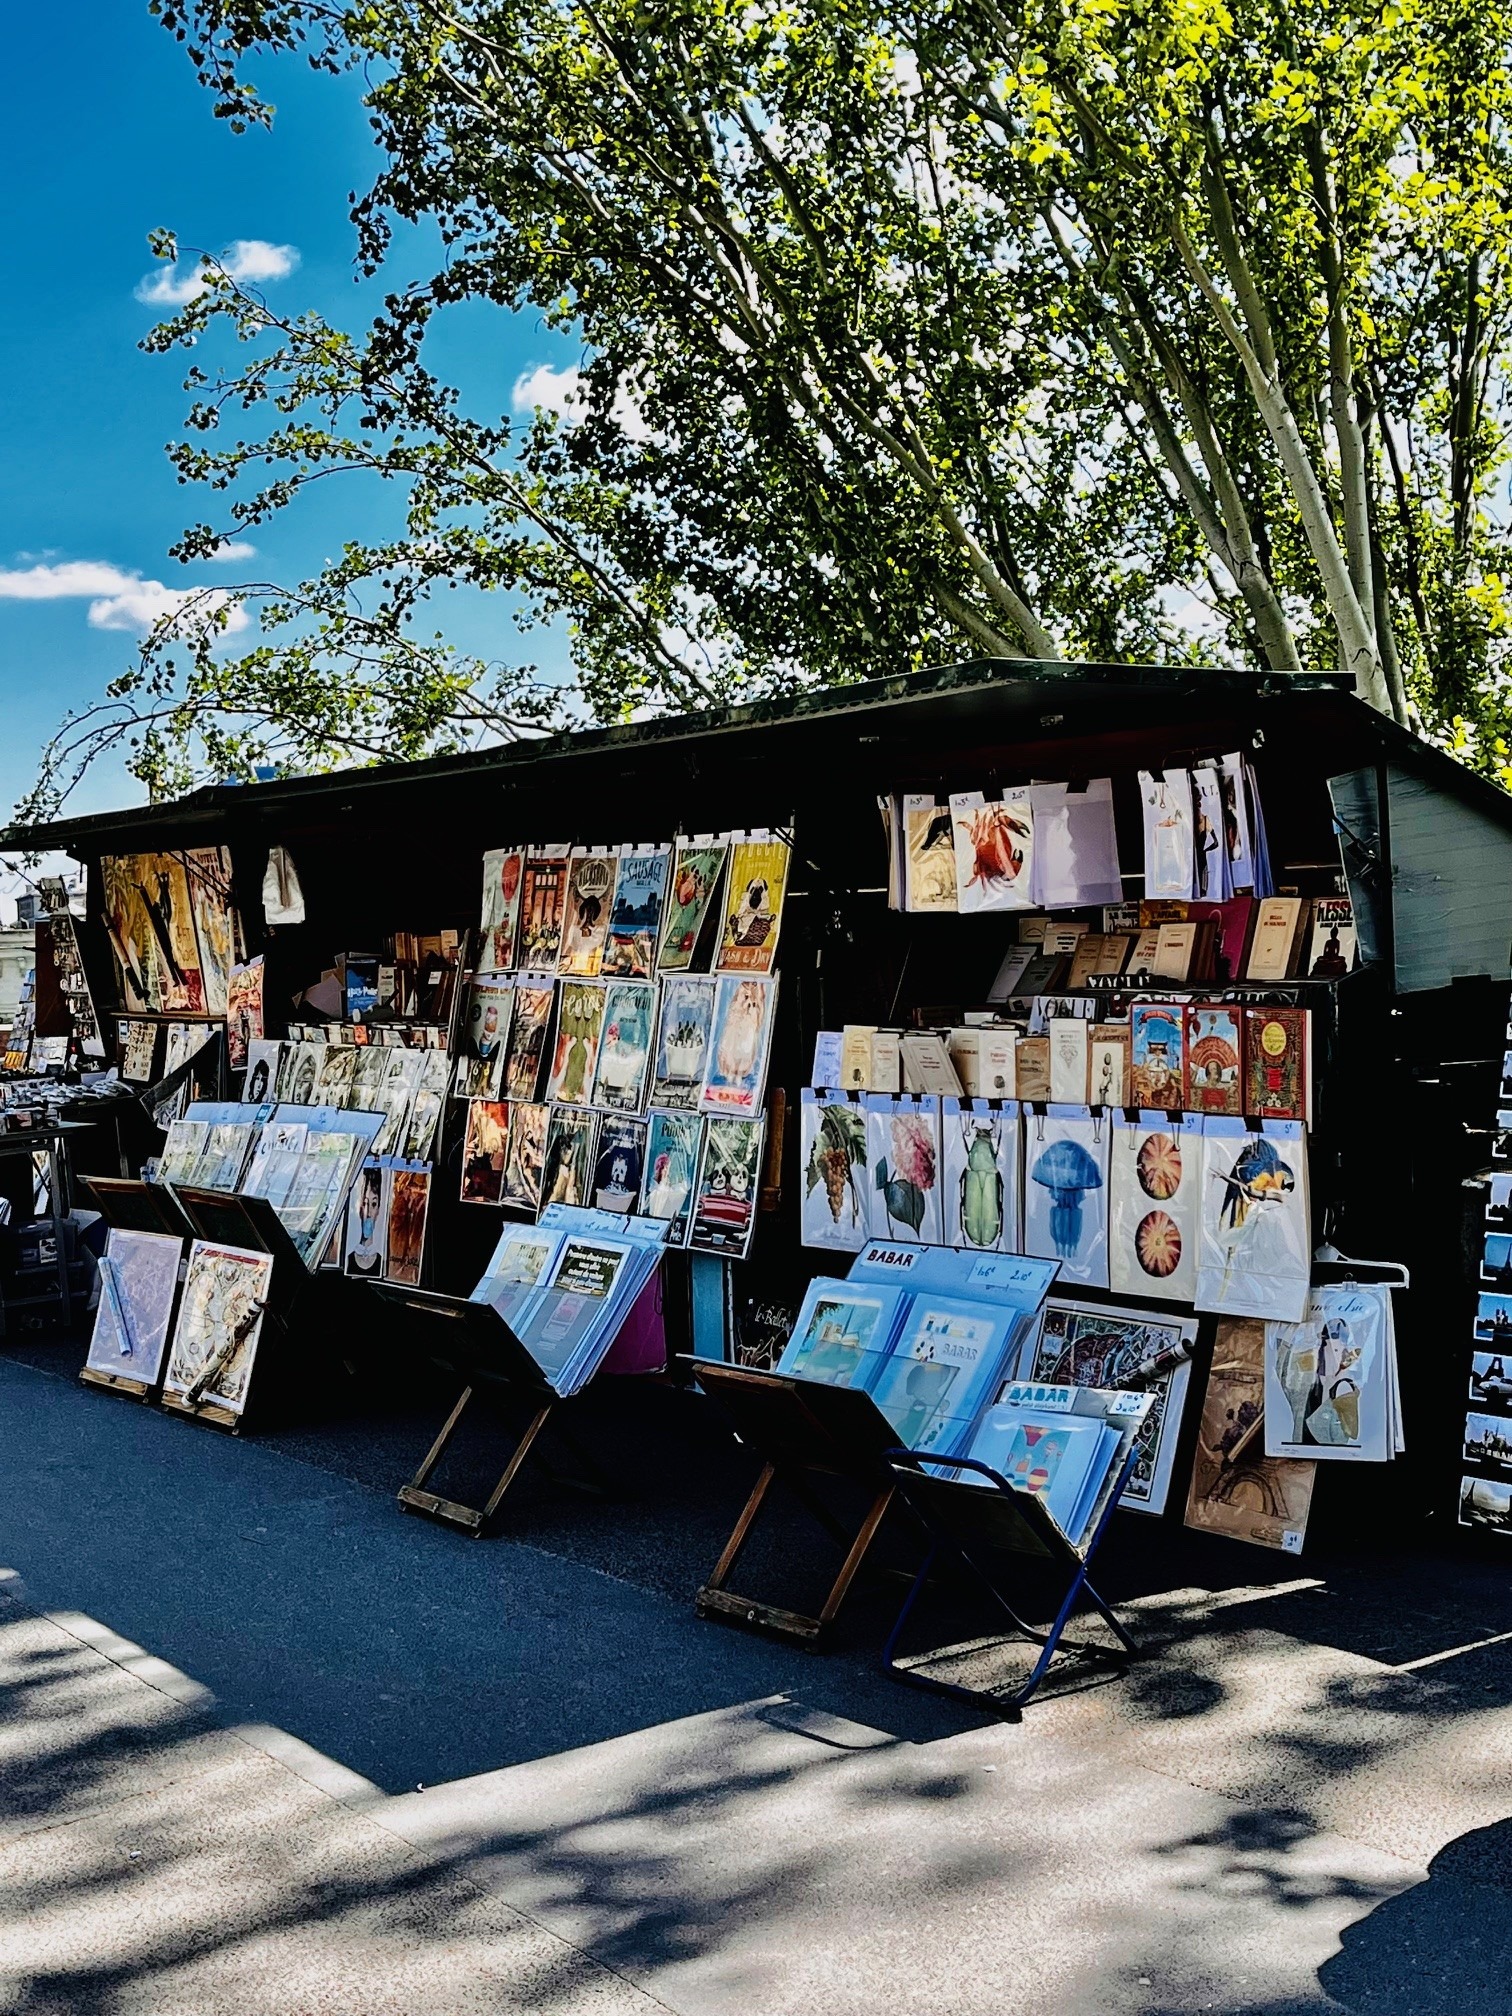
(1022, 327)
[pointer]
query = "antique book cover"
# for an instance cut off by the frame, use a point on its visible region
(1277, 1064)
(887, 1063)
(1145, 950)
(1031, 1068)
(759, 867)
(929, 882)
(1214, 1046)
(1273, 949)
(1175, 948)
(543, 898)
(855, 1056)
(1157, 1056)
(697, 868)
(640, 894)
(585, 926)
(1236, 1488)
(1333, 944)
(1070, 1056)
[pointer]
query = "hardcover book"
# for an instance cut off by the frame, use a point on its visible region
(1333, 944)
(1277, 1064)
(1157, 1056)
(1274, 947)
(1214, 1045)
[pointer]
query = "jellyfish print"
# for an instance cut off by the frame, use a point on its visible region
(1065, 1202)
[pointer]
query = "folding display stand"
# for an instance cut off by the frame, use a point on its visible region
(131, 1205)
(473, 1340)
(973, 1524)
(799, 1429)
(32, 1142)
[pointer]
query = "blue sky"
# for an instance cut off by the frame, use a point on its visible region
(107, 136)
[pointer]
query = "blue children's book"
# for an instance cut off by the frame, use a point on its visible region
(844, 1332)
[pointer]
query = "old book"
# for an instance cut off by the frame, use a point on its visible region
(1163, 910)
(1070, 1053)
(855, 1056)
(1144, 951)
(926, 1064)
(1277, 1064)
(1156, 1079)
(1333, 943)
(1016, 962)
(998, 1069)
(1109, 1062)
(1214, 1046)
(1086, 959)
(1031, 1062)
(886, 1062)
(1174, 948)
(1274, 948)
(1120, 917)
(965, 1048)
(1061, 940)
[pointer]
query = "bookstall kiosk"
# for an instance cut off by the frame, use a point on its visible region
(1405, 1047)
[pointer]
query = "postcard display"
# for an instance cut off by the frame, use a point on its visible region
(1485, 1483)
(1134, 1103)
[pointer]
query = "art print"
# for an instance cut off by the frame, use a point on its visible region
(1157, 1056)
(640, 894)
(590, 890)
(580, 1027)
(1493, 1321)
(499, 918)
(672, 1144)
(217, 932)
(424, 1117)
(219, 1324)
(1488, 1439)
(571, 1137)
(836, 1201)
(684, 1025)
(483, 1150)
(397, 1094)
(929, 871)
(366, 1244)
(543, 901)
(753, 904)
(297, 1072)
(139, 1050)
(1066, 1152)
(244, 1011)
(1154, 1189)
(1170, 840)
(534, 999)
(1328, 1378)
(130, 933)
(227, 1147)
(903, 1151)
(739, 1043)
(980, 1203)
(1491, 1382)
(485, 1035)
(697, 869)
(994, 852)
(409, 1199)
(619, 1164)
(1485, 1505)
(335, 1076)
(138, 1281)
(1254, 1245)
(726, 1187)
(1081, 1345)
(1236, 1488)
(525, 1159)
(1075, 845)
(624, 1056)
(261, 1081)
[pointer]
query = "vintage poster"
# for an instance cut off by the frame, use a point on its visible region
(335, 1075)
(499, 918)
(525, 1161)
(138, 1050)
(836, 1201)
(409, 1197)
(219, 1324)
(980, 1203)
(697, 869)
(585, 924)
(994, 851)
(138, 1281)
(740, 1042)
(684, 1025)
(757, 888)
(1328, 1379)
(929, 877)
(483, 1148)
(394, 1098)
(534, 999)
(1080, 1344)
(244, 1011)
(640, 893)
(263, 1062)
(1157, 1056)
(216, 928)
(580, 1028)
(484, 1036)
(130, 934)
(672, 1144)
(170, 912)
(1236, 1488)
(425, 1107)
(1254, 1252)
(543, 900)
(366, 1244)
(571, 1137)
(1066, 1153)
(624, 1057)
(726, 1188)
(619, 1163)
(1154, 1189)
(903, 1164)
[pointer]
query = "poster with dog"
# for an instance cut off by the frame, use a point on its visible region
(753, 903)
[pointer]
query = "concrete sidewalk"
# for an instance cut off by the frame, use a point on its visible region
(624, 1809)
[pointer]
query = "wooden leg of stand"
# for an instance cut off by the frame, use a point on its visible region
(743, 1525)
(522, 1450)
(856, 1555)
(433, 1457)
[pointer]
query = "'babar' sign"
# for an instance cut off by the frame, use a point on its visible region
(1050, 1399)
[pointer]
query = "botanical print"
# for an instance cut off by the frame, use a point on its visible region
(138, 1281)
(640, 891)
(409, 1195)
(580, 1023)
(696, 873)
(483, 1152)
(1082, 1345)
(726, 1186)
(1154, 1191)
(980, 1193)
(525, 1159)
(503, 879)
(590, 889)
(994, 852)
(619, 1164)
(753, 904)
(835, 1204)
(739, 1044)
(219, 1324)
(671, 1163)
(683, 1028)
(624, 1057)
(903, 1149)
(571, 1134)
(1066, 1193)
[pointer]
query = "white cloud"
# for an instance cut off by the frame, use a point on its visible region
(118, 600)
(251, 259)
(559, 392)
(232, 549)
